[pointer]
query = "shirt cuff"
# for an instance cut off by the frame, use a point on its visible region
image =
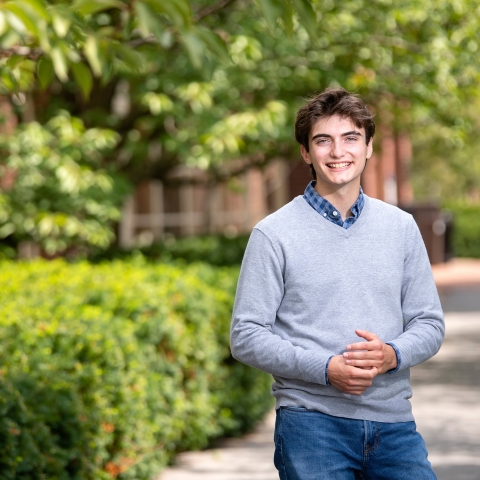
(326, 370)
(399, 358)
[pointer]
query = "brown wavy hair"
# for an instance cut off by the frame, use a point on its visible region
(332, 101)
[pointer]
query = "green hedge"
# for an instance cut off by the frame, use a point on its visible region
(466, 230)
(216, 250)
(108, 370)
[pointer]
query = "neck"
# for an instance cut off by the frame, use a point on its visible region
(341, 198)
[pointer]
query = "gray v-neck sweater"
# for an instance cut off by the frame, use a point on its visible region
(306, 284)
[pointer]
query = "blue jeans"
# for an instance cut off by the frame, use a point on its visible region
(310, 445)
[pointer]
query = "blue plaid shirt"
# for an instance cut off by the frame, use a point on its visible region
(328, 211)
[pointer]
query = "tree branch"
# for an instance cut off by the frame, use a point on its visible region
(211, 9)
(138, 42)
(31, 53)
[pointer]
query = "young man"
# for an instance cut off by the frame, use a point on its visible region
(337, 301)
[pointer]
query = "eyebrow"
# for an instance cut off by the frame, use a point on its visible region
(346, 134)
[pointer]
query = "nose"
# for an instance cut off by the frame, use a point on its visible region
(337, 149)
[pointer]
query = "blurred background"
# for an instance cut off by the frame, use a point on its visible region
(141, 141)
(129, 123)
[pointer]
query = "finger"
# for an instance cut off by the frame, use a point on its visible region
(365, 364)
(364, 346)
(355, 390)
(366, 334)
(361, 376)
(373, 355)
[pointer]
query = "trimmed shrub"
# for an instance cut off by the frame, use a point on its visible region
(108, 370)
(216, 250)
(466, 230)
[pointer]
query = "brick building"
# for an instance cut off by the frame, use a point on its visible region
(156, 210)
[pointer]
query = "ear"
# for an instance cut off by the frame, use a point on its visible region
(305, 155)
(370, 148)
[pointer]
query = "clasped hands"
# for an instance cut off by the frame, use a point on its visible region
(354, 371)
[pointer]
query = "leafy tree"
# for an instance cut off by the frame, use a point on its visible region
(447, 166)
(92, 57)
(215, 86)
(60, 195)
(187, 72)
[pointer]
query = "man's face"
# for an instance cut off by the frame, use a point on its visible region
(338, 153)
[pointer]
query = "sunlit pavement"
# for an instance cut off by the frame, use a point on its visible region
(248, 458)
(446, 400)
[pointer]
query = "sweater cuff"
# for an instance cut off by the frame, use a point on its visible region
(311, 367)
(399, 358)
(326, 370)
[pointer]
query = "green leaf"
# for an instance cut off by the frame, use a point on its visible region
(307, 16)
(272, 10)
(89, 7)
(143, 18)
(45, 72)
(178, 11)
(130, 57)
(38, 6)
(61, 24)
(214, 43)
(14, 60)
(148, 21)
(44, 37)
(195, 47)
(288, 18)
(59, 64)
(92, 54)
(29, 22)
(8, 80)
(83, 77)
(6, 230)
(3, 23)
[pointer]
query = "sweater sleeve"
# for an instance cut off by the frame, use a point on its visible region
(424, 327)
(259, 294)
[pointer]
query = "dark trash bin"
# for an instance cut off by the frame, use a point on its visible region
(435, 225)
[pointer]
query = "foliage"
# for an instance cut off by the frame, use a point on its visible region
(61, 195)
(214, 86)
(216, 250)
(88, 37)
(246, 109)
(108, 370)
(466, 229)
(447, 165)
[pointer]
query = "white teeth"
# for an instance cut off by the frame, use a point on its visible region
(337, 165)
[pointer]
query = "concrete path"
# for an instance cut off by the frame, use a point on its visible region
(246, 458)
(446, 400)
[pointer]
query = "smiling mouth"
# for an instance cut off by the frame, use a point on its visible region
(334, 166)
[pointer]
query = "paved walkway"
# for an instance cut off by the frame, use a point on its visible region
(446, 399)
(246, 458)
(446, 394)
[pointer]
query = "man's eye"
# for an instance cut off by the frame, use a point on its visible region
(323, 141)
(351, 139)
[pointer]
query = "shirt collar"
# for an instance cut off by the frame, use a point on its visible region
(327, 210)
